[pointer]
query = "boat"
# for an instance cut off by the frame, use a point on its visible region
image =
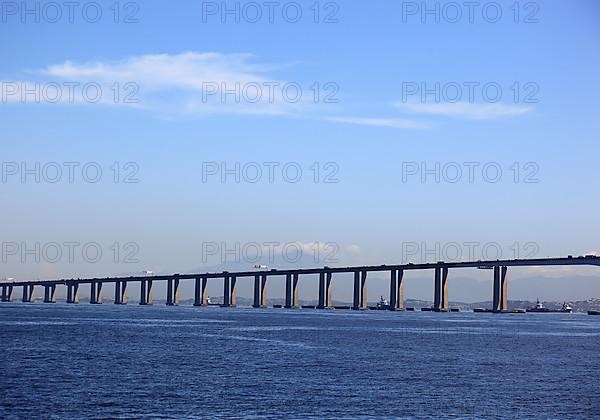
(539, 307)
(383, 304)
(593, 312)
(566, 308)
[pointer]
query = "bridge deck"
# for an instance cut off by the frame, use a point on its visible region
(581, 260)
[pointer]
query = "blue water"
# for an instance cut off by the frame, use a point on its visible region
(106, 361)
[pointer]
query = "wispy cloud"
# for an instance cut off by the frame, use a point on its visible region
(193, 84)
(476, 111)
(380, 122)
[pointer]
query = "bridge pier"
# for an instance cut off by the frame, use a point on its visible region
(356, 295)
(328, 291)
(123, 293)
(393, 289)
(288, 291)
(504, 289)
(444, 290)
(120, 293)
(363, 291)
(28, 295)
(173, 291)
(256, 292)
(72, 292)
(321, 304)
(96, 293)
(396, 290)
(7, 291)
(500, 302)
(200, 291)
(291, 291)
(225, 291)
(260, 291)
(233, 294)
(143, 295)
(146, 292)
(263, 291)
(437, 289)
(295, 291)
(50, 293)
(400, 291)
(197, 291)
(496, 291)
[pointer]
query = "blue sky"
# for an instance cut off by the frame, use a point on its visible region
(170, 55)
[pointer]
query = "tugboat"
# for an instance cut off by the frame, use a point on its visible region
(538, 308)
(383, 304)
(566, 308)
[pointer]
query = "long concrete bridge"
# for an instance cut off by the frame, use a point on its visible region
(292, 276)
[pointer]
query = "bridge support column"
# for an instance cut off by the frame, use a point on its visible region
(321, 304)
(437, 289)
(50, 293)
(393, 289)
(225, 291)
(356, 299)
(233, 294)
(400, 291)
(143, 293)
(98, 299)
(363, 291)
(288, 291)
(263, 291)
(504, 289)
(173, 291)
(146, 292)
(204, 299)
(197, 291)
(444, 290)
(7, 291)
(28, 293)
(96, 293)
(176, 290)
(72, 292)
(295, 291)
(169, 292)
(120, 293)
(496, 299)
(328, 291)
(200, 291)
(256, 292)
(117, 293)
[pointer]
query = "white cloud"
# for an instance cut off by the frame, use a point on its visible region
(379, 122)
(197, 84)
(468, 110)
(187, 70)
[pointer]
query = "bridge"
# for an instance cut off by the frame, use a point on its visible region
(292, 276)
